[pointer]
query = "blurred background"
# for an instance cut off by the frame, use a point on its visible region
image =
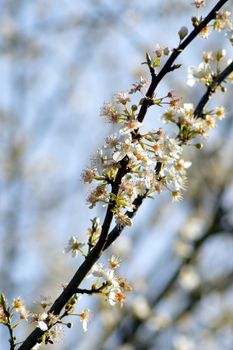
(59, 61)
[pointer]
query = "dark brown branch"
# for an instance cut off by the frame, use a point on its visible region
(84, 268)
(90, 291)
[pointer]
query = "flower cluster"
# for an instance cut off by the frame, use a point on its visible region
(189, 126)
(154, 159)
(222, 21)
(12, 315)
(7, 313)
(109, 284)
(134, 163)
(106, 283)
(208, 69)
(144, 152)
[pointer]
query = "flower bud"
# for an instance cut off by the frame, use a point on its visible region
(167, 51)
(134, 108)
(199, 3)
(220, 54)
(199, 145)
(183, 32)
(195, 21)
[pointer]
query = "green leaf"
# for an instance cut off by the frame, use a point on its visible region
(156, 62)
(158, 102)
(148, 59)
(3, 301)
(43, 338)
(15, 324)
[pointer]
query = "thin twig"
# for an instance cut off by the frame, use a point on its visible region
(12, 337)
(91, 291)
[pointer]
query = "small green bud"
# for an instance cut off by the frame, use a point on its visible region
(220, 54)
(134, 108)
(195, 21)
(43, 339)
(223, 89)
(156, 62)
(199, 145)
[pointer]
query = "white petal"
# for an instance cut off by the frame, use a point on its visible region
(117, 156)
(37, 346)
(85, 325)
(42, 325)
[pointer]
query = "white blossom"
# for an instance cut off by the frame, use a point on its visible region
(124, 148)
(130, 126)
(122, 98)
(74, 246)
(138, 86)
(200, 74)
(40, 320)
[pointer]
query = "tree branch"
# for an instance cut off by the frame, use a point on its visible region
(103, 241)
